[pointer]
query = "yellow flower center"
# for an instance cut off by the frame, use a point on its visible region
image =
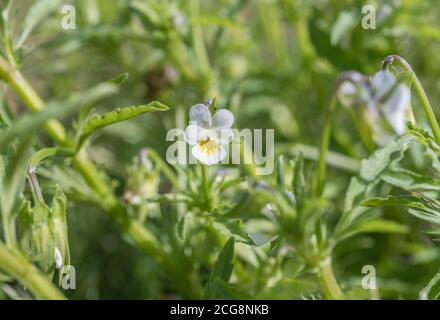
(208, 146)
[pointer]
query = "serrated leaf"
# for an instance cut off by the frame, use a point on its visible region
(96, 122)
(232, 227)
(383, 158)
(410, 181)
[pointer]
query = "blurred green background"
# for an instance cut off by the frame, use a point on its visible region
(272, 62)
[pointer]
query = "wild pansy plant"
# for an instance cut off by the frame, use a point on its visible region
(212, 228)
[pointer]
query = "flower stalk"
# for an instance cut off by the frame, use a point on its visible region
(429, 112)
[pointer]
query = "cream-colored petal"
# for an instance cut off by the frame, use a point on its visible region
(207, 155)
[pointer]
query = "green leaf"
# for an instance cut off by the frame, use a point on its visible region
(381, 226)
(384, 158)
(361, 186)
(96, 122)
(45, 153)
(232, 227)
(13, 174)
(407, 201)
(427, 216)
(343, 25)
(229, 292)
(288, 289)
(120, 78)
(32, 121)
(222, 268)
(35, 15)
(432, 290)
(410, 181)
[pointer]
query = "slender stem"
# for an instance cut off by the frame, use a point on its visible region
(419, 91)
(32, 100)
(328, 280)
(34, 185)
(19, 267)
(205, 186)
(355, 78)
(9, 229)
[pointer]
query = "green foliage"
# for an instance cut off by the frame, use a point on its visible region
(95, 122)
(220, 231)
(221, 270)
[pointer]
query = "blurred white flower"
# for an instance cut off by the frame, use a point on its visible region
(388, 107)
(209, 135)
(382, 101)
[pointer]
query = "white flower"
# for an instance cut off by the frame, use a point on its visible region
(209, 135)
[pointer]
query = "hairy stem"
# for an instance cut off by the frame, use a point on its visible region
(419, 91)
(15, 264)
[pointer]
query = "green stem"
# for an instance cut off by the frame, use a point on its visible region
(355, 78)
(19, 267)
(330, 285)
(34, 186)
(205, 186)
(419, 91)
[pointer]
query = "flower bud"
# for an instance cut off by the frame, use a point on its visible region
(43, 233)
(142, 183)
